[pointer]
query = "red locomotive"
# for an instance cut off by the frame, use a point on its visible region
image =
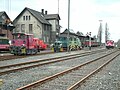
(109, 44)
(25, 44)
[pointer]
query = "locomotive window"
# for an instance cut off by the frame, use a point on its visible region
(74, 39)
(4, 41)
(0, 41)
(70, 39)
(19, 36)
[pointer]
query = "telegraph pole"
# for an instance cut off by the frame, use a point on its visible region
(58, 6)
(68, 25)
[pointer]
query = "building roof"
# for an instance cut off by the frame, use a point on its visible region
(36, 14)
(52, 16)
(1, 13)
(3, 17)
(6, 16)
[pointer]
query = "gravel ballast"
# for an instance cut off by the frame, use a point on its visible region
(107, 79)
(18, 79)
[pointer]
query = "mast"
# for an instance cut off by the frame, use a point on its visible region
(58, 6)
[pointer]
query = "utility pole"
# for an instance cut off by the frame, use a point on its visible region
(89, 35)
(58, 6)
(68, 25)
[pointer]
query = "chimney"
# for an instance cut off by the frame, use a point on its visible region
(42, 10)
(45, 12)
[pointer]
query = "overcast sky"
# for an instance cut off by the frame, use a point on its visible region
(84, 14)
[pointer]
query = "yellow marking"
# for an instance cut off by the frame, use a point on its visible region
(1, 81)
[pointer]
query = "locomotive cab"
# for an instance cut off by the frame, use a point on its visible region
(109, 44)
(57, 46)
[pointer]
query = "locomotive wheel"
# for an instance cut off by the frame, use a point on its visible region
(34, 51)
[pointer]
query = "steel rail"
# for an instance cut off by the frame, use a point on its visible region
(58, 74)
(9, 57)
(41, 60)
(51, 60)
(76, 85)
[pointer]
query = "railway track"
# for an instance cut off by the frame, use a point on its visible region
(4, 56)
(72, 78)
(35, 63)
(9, 57)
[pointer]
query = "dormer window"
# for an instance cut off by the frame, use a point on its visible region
(23, 17)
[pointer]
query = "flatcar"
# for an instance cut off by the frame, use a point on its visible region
(25, 44)
(109, 44)
(63, 43)
(4, 43)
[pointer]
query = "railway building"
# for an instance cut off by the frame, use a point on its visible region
(41, 24)
(5, 25)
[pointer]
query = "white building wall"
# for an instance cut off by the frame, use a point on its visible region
(37, 27)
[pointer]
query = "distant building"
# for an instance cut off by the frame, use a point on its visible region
(5, 30)
(53, 19)
(40, 24)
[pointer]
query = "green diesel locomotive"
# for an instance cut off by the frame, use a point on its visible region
(64, 43)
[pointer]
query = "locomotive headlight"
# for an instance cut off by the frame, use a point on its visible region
(23, 44)
(51, 45)
(60, 45)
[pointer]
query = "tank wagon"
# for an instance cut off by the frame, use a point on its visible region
(62, 43)
(4, 43)
(25, 44)
(109, 44)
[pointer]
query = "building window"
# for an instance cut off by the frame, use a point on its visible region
(0, 30)
(44, 27)
(23, 17)
(30, 28)
(22, 27)
(47, 39)
(29, 17)
(18, 28)
(26, 18)
(44, 39)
